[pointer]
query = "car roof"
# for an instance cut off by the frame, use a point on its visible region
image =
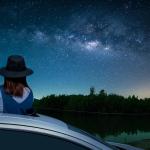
(41, 121)
(47, 123)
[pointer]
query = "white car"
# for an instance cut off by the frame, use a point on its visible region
(22, 132)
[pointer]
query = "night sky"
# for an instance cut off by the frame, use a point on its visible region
(72, 45)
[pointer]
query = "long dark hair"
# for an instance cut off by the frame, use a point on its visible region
(15, 86)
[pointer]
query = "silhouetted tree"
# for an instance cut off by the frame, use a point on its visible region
(92, 90)
(103, 93)
(102, 102)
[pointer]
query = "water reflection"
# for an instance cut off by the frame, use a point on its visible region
(129, 138)
(117, 128)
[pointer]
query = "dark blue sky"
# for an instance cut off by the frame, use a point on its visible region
(73, 45)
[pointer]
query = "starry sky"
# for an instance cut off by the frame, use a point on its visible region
(72, 45)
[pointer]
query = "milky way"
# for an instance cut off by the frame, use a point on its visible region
(73, 45)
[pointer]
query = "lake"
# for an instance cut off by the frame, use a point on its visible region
(131, 129)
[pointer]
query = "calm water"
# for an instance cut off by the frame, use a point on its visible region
(125, 129)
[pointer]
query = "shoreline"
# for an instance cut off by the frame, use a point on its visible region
(91, 113)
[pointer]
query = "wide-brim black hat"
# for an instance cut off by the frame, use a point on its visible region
(15, 68)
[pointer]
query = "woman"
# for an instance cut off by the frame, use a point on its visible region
(15, 95)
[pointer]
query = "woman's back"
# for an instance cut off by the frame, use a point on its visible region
(15, 104)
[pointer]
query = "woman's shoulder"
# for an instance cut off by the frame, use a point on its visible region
(26, 90)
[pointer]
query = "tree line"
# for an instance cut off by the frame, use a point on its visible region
(94, 103)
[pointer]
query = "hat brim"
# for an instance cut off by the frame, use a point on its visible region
(14, 74)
